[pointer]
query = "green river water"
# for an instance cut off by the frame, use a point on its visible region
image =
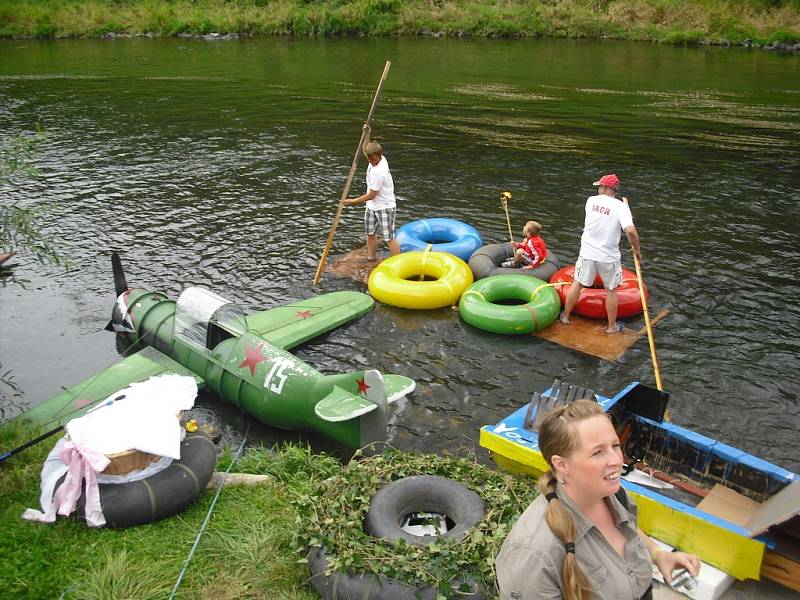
(219, 163)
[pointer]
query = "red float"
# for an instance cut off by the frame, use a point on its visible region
(592, 301)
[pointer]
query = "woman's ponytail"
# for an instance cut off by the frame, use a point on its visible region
(576, 585)
(557, 436)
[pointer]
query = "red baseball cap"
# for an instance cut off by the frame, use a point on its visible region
(610, 180)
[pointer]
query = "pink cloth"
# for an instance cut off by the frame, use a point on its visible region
(83, 464)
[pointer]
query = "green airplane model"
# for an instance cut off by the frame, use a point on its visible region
(244, 359)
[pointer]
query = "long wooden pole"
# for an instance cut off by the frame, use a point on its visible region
(650, 337)
(346, 190)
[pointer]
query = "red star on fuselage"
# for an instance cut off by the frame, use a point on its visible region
(362, 386)
(304, 314)
(252, 356)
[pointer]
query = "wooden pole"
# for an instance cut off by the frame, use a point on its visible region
(650, 337)
(346, 190)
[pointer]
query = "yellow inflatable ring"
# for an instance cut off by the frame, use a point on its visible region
(420, 279)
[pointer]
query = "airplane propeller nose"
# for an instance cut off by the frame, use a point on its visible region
(120, 285)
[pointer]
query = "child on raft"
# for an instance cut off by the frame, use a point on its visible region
(531, 252)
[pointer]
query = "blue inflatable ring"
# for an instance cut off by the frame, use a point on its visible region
(445, 235)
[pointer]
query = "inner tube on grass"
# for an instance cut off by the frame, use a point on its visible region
(161, 495)
(422, 493)
(482, 304)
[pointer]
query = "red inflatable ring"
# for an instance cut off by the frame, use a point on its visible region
(592, 301)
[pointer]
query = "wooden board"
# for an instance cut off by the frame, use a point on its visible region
(353, 265)
(781, 569)
(589, 336)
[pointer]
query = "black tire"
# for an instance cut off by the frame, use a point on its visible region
(486, 261)
(162, 495)
(423, 493)
(362, 586)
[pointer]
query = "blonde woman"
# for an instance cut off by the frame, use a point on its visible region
(577, 540)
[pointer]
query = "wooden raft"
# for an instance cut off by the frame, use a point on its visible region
(353, 265)
(584, 335)
(589, 336)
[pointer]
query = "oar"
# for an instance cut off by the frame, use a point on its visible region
(346, 191)
(650, 337)
(504, 198)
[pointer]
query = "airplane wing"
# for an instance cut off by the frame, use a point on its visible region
(292, 324)
(78, 399)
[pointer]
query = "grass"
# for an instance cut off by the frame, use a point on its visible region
(664, 21)
(257, 538)
(246, 551)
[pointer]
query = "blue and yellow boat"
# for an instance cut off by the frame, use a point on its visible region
(735, 511)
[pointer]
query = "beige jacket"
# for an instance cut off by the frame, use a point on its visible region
(530, 562)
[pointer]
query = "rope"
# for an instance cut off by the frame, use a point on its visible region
(424, 260)
(208, 515)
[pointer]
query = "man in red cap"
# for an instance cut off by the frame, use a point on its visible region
(606, 219)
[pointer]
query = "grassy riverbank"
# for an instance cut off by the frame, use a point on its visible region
(246, 551)
(256, 540)
(665, 21)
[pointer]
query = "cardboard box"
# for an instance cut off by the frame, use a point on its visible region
(711, 582)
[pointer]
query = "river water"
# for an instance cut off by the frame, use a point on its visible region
(221, 163)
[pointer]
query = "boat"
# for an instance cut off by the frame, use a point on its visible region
(735, 511)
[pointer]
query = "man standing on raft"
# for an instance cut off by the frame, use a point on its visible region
(606, 219)
(380, 199)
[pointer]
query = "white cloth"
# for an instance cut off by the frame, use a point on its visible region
(380, 180)
(606, 219)
(144, 419)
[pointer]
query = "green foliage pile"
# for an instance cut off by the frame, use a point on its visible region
(668, 21)
(337, 522)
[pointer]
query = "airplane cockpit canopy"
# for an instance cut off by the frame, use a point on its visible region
(203, 319)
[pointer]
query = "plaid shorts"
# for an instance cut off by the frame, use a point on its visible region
(385, 217)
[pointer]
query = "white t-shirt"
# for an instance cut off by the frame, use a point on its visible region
(606, 218)
(380, 179)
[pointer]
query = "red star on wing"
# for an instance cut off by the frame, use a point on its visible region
(362, 386)
(252, 356)
(304, 314)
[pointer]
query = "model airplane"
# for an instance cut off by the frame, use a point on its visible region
(244, 359)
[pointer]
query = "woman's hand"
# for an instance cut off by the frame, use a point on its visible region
(667, 562)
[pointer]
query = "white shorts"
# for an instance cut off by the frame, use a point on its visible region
(610, 272)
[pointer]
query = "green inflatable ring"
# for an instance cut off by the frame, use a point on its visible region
(479, 304)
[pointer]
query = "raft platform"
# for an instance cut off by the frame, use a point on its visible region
(354, 265)
(589, 336)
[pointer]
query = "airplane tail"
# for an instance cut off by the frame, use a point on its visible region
(355, 410)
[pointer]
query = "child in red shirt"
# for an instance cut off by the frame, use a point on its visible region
(530, 253)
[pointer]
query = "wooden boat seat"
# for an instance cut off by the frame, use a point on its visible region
(560, 394)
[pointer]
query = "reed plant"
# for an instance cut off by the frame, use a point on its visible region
(665, 21)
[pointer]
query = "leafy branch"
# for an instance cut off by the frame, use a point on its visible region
(337, 523)
(20, 226)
